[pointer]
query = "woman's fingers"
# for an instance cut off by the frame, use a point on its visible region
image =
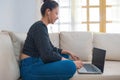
(78, 64)
(75, 58)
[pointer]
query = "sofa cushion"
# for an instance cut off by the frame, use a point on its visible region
(111, 72)
(18, 40)
(9, 69)
(109, 42)
(54, 37)
(80, 43)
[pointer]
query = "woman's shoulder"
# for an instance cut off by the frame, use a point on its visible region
(37, 26)
(37, 23)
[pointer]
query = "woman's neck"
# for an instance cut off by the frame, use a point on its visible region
(45, 21)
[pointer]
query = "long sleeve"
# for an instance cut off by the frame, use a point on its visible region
(56, 49)
(42, 42)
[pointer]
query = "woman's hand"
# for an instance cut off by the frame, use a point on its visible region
(78, 64)
(74, 57)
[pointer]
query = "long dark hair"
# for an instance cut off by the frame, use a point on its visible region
(48, 4)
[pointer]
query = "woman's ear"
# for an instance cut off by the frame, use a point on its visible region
(48, 12)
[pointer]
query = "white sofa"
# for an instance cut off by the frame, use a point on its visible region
(81, 43)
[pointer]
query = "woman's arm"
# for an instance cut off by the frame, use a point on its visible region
(41, 41)
(73, 56)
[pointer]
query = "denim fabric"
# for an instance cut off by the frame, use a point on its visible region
(34, 69)
(65, 55)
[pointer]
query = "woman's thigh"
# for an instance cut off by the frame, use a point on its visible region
(35, 69)
(64, 68)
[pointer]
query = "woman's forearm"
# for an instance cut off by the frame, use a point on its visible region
(65, 52)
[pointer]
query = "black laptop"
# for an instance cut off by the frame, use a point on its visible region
(97, 66)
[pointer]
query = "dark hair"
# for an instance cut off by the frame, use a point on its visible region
(45, 0)
(48, 4)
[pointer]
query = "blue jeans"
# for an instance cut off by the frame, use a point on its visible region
(34, 69)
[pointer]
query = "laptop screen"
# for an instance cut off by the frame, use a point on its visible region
(99, 58)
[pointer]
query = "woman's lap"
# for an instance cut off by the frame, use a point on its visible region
(59, 67)
(59, 70)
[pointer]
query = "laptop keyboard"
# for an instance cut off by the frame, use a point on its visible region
(89, 68)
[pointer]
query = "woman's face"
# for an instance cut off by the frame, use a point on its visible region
(53, 15)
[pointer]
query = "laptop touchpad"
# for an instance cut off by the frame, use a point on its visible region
(82, 69)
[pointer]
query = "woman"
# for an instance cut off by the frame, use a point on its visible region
(40, 60)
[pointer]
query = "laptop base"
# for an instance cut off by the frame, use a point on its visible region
(89, 69)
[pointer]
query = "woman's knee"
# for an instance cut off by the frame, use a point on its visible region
(65, 55)
(70, 67)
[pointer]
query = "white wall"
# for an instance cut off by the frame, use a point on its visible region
(19, 15)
